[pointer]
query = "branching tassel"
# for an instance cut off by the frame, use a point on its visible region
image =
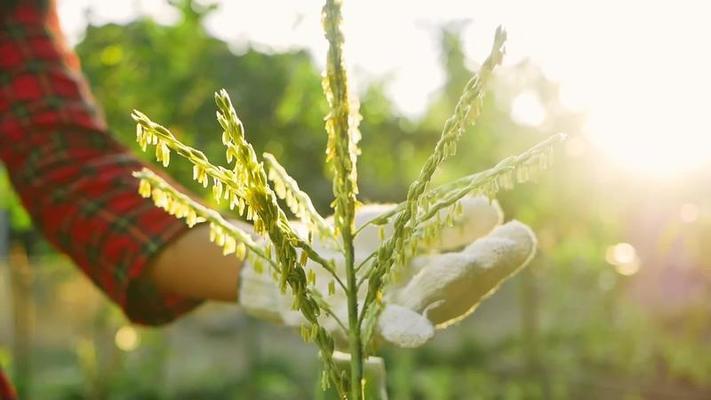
(291, 259)
(299, 202)
(466, 111)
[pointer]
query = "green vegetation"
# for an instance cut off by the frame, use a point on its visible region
(247, 189)
(568, 327)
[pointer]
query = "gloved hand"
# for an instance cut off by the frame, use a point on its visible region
(438, 287)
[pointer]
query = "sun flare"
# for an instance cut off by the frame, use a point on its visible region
(642, 80)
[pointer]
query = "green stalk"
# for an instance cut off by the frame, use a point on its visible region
(354, 339)
(341, 153)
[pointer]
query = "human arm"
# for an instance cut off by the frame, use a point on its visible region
(175, 271)
(75, 181)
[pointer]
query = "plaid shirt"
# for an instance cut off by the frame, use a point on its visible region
(72, 176)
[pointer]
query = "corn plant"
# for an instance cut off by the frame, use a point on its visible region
(254, 186)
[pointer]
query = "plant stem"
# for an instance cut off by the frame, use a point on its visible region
(354, 339)
(342, 153)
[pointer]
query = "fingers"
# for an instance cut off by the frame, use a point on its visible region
(440, 289)
(449, 286)
(479, 216)
(404, 327)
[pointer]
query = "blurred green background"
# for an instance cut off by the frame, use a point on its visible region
(616, 305)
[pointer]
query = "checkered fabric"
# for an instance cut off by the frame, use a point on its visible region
(72, 176)
(6, 390)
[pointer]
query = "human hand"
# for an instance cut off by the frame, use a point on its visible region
(440, 285)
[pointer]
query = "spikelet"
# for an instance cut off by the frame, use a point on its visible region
(222, 233)
(246, 188)
(144, 188)
(341, 124)
(150, 133)
(298, 202)
(524, 167)
(396, 249)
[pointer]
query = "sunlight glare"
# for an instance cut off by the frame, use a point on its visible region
(644, 89)
(527, 109)
(642, 82)
(623, 257)
(127, 338)
(689, 213)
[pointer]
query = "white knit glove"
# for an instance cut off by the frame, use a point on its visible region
(439, 288)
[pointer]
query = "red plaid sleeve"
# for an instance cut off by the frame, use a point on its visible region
(72, 176)
(7, 392)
